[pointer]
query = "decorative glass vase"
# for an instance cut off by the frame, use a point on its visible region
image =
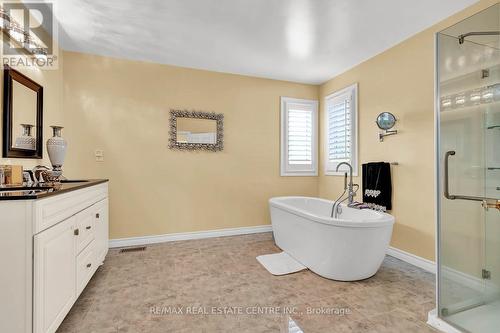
(56, 147)
(26, 141)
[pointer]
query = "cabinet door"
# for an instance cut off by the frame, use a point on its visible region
(101, 229)
(54, 275)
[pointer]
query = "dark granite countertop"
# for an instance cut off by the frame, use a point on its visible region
(18, 192)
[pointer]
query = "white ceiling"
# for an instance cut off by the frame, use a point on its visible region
(306, 41)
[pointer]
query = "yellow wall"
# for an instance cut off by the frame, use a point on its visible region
(122, 107)
(399, 80)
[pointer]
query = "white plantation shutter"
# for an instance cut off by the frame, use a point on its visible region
(300, 134)
(340, 120)
(339, 129)
(298, 137)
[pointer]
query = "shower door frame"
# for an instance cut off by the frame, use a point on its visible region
(437, 166)
(438, 320)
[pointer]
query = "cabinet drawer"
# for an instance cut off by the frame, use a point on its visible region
(53, 210)
(85, 267)
(85, 228)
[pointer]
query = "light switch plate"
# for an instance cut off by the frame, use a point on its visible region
(99, 155)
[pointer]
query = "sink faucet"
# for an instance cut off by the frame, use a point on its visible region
(349, 186)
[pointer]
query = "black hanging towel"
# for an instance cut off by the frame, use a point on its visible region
(377, 185)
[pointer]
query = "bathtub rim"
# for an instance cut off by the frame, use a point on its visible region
(384, 220)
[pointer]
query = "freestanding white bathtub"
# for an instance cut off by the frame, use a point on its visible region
(351, 247)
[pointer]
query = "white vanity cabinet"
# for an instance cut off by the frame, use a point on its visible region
(61, 239)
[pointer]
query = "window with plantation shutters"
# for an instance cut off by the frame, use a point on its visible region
(341, 130)
(299, 122)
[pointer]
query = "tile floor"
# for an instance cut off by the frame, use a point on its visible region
(217, 285)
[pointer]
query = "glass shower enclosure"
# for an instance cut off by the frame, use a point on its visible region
(468, 173)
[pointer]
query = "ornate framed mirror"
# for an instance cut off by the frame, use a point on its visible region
(195, 130)
(22, 116)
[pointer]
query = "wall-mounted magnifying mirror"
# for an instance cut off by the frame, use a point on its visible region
(386, 121)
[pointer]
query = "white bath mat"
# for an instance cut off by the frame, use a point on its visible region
(280, 263)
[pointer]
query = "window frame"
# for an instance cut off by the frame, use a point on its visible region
(330, 166)
(298, 170)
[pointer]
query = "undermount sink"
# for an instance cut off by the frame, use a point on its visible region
(25, 188)
(39, 187)
(74, 181)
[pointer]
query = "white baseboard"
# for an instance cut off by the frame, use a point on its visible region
(134, 241)
(425, 264)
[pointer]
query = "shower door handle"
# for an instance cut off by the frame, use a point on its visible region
(486, 202)
(486, 205)
(446, 175)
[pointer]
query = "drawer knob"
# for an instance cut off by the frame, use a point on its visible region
(76, 232)
(88, 227)
(97, 215)
(88, 265)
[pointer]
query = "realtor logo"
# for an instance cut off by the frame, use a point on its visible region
(28, 34)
